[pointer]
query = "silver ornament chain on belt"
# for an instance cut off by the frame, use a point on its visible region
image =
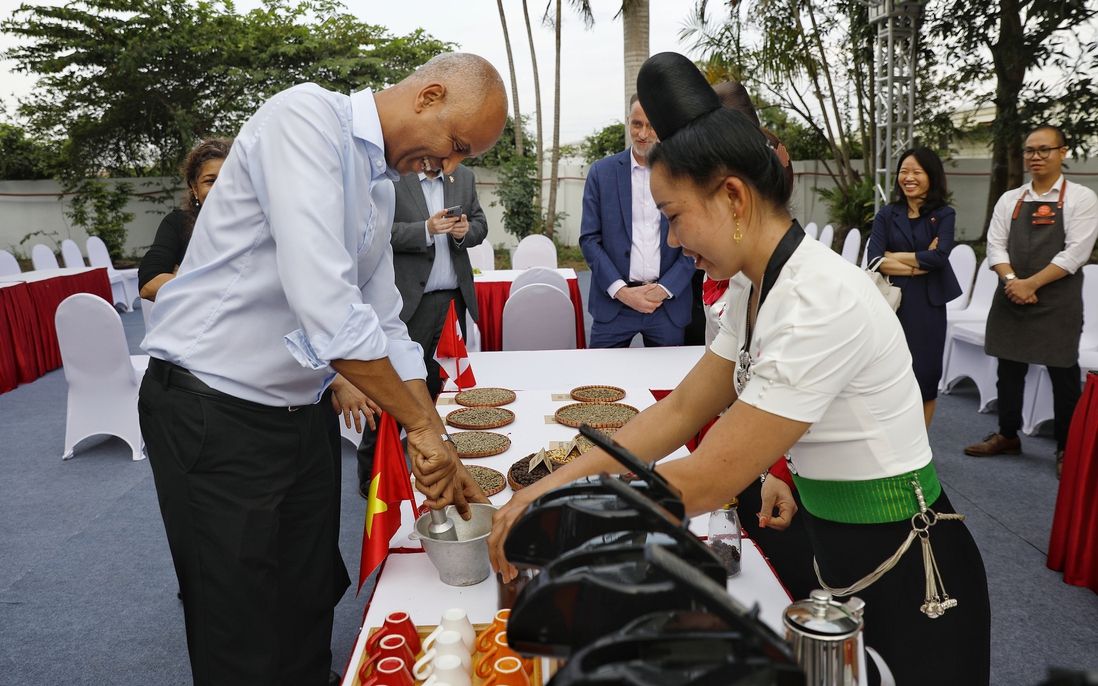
(937, 600)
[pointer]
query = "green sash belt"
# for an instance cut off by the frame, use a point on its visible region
(876, 501)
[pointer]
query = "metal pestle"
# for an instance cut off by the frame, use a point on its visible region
(441, 528)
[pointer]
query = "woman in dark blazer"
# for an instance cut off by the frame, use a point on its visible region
(914, 236)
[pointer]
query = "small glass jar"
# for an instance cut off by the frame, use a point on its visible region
(724, 536)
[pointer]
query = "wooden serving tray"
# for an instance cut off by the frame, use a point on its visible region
(536, 679)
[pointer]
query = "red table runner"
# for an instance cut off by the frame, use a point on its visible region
(1073, 548)
(28, 337)
(492, 296)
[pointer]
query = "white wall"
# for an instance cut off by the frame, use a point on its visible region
(28, 206)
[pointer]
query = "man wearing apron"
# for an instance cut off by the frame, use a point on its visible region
(1039, 237)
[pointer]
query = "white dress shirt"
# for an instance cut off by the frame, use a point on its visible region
(1080, 223)
(290, 265)
(442, 276)
(644, 255)
(829, 351)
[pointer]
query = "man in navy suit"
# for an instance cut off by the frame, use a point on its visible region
(639, 284)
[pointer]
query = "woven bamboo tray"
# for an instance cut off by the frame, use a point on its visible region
(583, 394)
(473, 469)
(458, 418)
(567, 415)
(474, 397)
(504, 444)
(536, 679)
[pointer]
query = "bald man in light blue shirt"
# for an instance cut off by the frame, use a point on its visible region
(289, 279)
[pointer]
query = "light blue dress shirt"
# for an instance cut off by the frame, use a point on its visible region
(290, 265)
(442, 276)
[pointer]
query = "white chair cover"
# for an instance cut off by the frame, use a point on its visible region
(963, 261)
(43, 258)
(8, 264)
(540, 275)
(865, 256)
(539, 317)
(976, 312)
(827, 236)
(123, 281)
(1089, 339)
(851, 243)
(535, 251)
(70, 252)
(812, 230)
(482, 257)
(965, 357)
(1037, 401)
(103, 379)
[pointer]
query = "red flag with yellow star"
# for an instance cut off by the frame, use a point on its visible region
(389, 486)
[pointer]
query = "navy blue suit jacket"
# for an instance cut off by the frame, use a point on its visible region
(892, 231)
(606, 238)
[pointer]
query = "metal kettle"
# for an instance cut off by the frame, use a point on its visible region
(826, 637)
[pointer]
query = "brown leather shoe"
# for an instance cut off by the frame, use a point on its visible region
(995, 444)
(1059, 463)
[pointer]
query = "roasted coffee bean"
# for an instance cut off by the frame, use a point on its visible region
(729, 556)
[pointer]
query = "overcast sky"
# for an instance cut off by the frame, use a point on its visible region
(592, 75)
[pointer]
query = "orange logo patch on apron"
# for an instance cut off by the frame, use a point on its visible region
(1044, 211)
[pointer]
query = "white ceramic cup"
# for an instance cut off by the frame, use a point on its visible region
(448, 670)
(455, 619)
(447, 643)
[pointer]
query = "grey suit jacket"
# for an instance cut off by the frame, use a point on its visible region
(412, 256)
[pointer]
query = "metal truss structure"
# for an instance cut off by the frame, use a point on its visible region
(896, 53)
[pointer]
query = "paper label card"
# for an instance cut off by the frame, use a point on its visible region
(562, 396)
(446, 401)
(554, 445)
(550, 419)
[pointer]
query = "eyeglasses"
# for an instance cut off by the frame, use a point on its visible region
(1042, 152)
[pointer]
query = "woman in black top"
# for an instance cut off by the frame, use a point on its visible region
(199, 171)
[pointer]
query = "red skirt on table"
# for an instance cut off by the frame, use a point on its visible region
(1073, 548)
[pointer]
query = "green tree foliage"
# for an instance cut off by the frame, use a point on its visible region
(518, 185)
(606, 141)
(802, 142)
(128, 85)
(504, 149)
(1034, 59)
(22, 157)
(101, 210)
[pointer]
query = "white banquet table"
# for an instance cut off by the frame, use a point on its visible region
(409, 582)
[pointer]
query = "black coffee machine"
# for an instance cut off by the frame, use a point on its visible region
(628, 593)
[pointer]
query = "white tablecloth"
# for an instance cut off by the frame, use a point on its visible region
(410, 582)
(41, 275)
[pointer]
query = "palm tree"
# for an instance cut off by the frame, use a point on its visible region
(537, 102)
(584, 9)
(634, 19)
(514, 79)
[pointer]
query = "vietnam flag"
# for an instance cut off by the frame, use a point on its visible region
(452, 355)
(390, 485)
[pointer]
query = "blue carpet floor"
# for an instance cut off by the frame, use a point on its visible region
(87, 589)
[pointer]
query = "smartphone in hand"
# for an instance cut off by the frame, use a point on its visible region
(453, 212)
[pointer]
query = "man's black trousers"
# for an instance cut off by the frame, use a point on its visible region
(1011, 385)
(246, 496)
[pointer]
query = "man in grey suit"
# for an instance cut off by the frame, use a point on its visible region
(432, 267)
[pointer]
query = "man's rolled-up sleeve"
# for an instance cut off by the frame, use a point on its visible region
(305, 212)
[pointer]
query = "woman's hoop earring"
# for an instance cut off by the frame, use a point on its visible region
(738, 236)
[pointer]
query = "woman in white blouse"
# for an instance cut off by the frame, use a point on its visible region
(817, 369)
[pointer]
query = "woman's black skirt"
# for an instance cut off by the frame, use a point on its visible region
(954, 649)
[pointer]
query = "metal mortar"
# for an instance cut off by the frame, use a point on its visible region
(463, 562)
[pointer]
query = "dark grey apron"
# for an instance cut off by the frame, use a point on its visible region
(1046, 332)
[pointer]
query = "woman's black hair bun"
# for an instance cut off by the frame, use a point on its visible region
(673, 92)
